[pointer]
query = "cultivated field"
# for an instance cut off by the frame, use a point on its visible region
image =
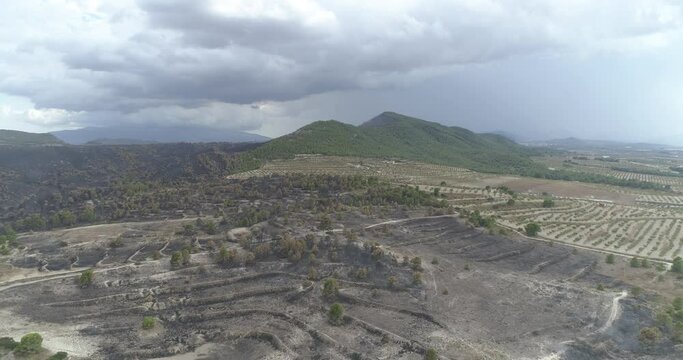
(626, 221)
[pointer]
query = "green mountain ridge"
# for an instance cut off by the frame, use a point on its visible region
(392, 135)
(18, 138)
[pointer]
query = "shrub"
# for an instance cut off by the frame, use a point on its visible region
(59, 356)
(677, 265)
(610, 259)
(312, 274)
(650, 335)
(435, 261)
(431, 355)
(30, 344)
(644, 264)
(548, 203)
(325, 223)
(262, 251)
(176, 259)
(8, 343)
(149, 322)
(600, 287)
(336, 314)
(226, 257)
(376, 251)
(391, 282)
(416, 263)
(362, 273)
(417, 277)
(677, 303)
(636, 290)
(86, 278)
(330, 288)
(532, 229)
(635, 263)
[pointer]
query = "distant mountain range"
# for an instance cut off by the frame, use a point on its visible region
(572, 143)
(393, 135)
(123, 135)
(13, 137)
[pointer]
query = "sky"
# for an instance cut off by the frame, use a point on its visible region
(539, 69)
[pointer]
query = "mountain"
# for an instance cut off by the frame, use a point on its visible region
(13, 137)
(394, 135)
(573, 143)
(123, 135)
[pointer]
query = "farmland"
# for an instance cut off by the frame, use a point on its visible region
(630, 222)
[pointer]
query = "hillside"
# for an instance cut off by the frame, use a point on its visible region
(399, 136)
(150, 134)
(13, 137)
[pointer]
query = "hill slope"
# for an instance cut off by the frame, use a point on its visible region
(399, 136)
(122, 135)
(13, 137)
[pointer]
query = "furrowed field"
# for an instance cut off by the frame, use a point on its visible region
(632, 222)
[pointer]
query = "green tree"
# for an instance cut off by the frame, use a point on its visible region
(548, 203)
(677, 303)
(609, 259)
(149, 322)
(88, 215)
(325, 222)
(677, 265)
(8, 343)
(650, 335)
(532, 229)
(330, 288)
(30, 344)
(59, 356)
(87, 277)
(226, 257)
(431, 355)
(416, 263)
(391, 282)
(635, 262)
(336, 314)
(176, 259)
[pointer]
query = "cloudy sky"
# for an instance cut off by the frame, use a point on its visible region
(540, 68)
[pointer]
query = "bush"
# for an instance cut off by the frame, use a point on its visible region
(417, 277)
(548, 203)
(325, 223)
(86, 278)
(431, 355)
(29, 344)
(312, 274)
(330, 288)
(149, 322)
(176, 259)
(636, 290)
(336, 314)
(391, 282)
(677, 265)
(532, 229)
(8, 343)
(416, 263)
(610, 259)
(650, 335)
(226, 257)
(635, 263)
(59, 356)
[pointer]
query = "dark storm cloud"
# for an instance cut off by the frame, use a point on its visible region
(172, 60)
